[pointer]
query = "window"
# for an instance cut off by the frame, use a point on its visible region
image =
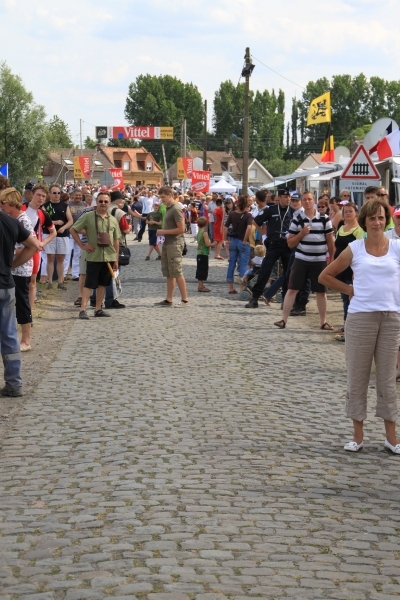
(98, 163)
(127, 165)
(149, 165)
(68, 161)
(253, 174)
(231, 168)
(118, 164)
(140, 164)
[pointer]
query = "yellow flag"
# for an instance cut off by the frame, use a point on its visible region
(320, 110)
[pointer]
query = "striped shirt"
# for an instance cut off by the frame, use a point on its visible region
(313, 246)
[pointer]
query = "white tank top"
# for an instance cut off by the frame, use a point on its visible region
(376, 279)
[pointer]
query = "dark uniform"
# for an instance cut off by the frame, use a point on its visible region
(278, 219)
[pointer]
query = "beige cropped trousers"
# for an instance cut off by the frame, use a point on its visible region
(372, 335)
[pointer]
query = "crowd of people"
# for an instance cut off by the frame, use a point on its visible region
(60, 232)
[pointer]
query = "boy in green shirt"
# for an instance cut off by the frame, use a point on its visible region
(203, 250)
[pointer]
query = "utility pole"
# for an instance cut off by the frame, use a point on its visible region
(205, 137)
(80, 134)
(246, 72)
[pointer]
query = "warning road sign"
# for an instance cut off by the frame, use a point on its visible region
(360, 167)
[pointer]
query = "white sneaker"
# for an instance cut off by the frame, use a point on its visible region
(395, 449)
(353, 446)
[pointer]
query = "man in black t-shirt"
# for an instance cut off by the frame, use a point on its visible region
(275, 220)
(11, 232)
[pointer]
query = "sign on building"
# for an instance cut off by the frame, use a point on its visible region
(136, 132)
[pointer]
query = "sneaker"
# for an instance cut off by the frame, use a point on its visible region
(147, 258)
(158, 258)
(62, 286)
(116, 304)
(49, 286)
(83, 315)
(75, 279)
(252, 303)
(182, 304)
(11, 392)
(298, 312)
(101, 313)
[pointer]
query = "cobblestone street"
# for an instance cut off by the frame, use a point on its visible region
(196, 454)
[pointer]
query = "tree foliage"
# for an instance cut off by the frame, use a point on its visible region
(58, 134)
(266, 127)
(356, 102)
(163, 101)
(23, 128)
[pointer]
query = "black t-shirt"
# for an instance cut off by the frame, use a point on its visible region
(57, 212)
(11, 233)
(278, 219)
(239, 222)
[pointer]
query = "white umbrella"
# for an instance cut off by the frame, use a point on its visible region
(223, 187)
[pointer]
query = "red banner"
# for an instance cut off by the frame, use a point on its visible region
(82, 167)
(135, 132)
(118, 179)
(200, 181)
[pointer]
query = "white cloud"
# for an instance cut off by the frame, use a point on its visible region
(79, 59)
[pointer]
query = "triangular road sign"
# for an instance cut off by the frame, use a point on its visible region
(360, 166)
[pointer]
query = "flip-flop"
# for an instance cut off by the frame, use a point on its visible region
(327, 327)
(232, 292)
(219, 257)
(101, 313)
(204, 290)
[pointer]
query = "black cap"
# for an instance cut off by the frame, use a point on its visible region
(284, 192)
(116, 195)
(29, 186)
(296, 196)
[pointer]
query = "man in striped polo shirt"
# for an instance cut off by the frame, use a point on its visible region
(313, 235)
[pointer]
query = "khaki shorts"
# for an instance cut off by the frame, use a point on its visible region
(171, 260)
(82, 263)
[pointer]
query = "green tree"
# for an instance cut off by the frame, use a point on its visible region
(58, 134)
(229, 110)
(163, 101)
(124, 143)
(23, 128)
(90, 143)
(279, 166)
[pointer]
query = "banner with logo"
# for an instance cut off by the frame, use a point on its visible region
(136, 132)
(118, 179)
(184, 168)
(82, 167)
(200, 181)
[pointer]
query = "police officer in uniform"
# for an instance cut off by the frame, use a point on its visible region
(277, 218)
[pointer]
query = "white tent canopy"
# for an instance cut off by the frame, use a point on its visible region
(223, 187)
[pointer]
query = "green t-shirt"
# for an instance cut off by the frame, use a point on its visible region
(155, 216)
(110, 224)
(162, 210)
(202, 248)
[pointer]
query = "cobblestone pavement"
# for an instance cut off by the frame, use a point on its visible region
(195, 454)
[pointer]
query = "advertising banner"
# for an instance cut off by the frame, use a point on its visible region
(118, 179)
(184, 168)
(200, 181)
(82, 167)
(135, 132)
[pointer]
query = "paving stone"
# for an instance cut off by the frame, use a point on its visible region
(179, 484)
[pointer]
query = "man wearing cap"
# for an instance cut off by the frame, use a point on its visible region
(27, 197)
(276, 220)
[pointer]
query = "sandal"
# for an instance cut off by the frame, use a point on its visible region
(101, 313)
(326, 327)
(78, 301)
(203, 290)
(232, 292)
(281, 324)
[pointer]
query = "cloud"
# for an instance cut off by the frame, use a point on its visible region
(79, 62)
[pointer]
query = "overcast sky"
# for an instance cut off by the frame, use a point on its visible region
(78, 57)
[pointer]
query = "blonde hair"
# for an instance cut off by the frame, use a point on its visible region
(11, 196)
(259, 250)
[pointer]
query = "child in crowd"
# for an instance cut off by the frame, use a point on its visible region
(259, 253)
(194, 215)
(203, 251)
(154, 221)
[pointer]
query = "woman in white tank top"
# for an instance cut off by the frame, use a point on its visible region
(372, 327)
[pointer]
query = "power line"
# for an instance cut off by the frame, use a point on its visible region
(273, 70)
